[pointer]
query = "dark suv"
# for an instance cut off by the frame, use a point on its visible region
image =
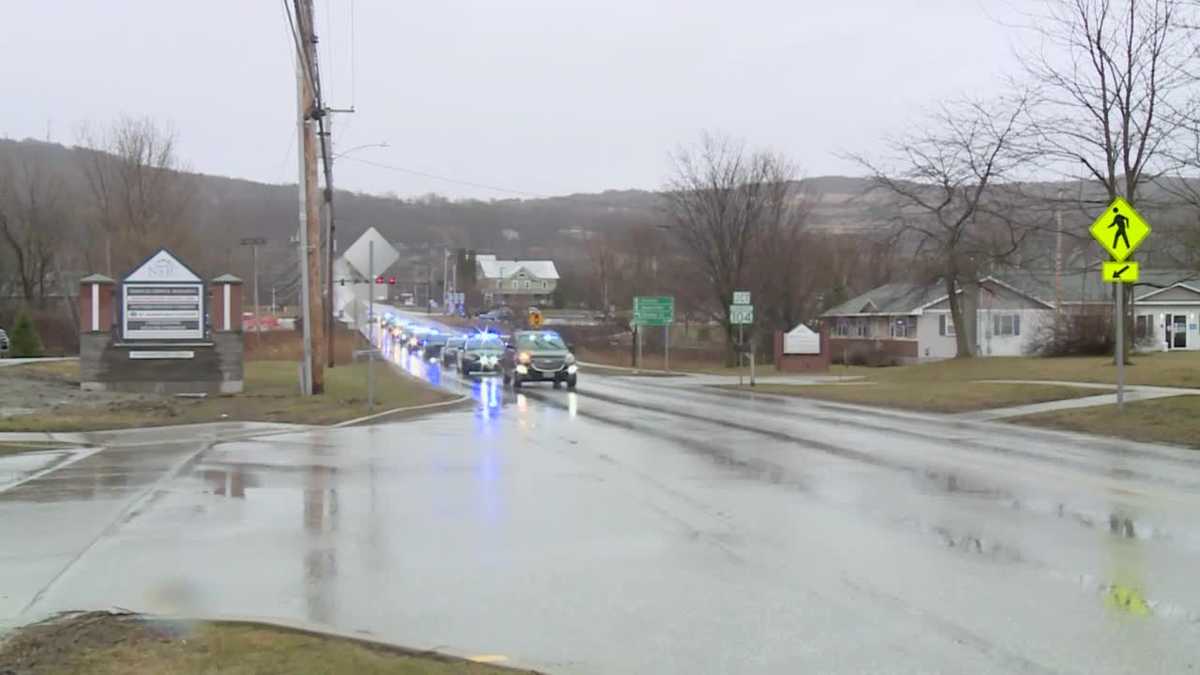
(539, 356)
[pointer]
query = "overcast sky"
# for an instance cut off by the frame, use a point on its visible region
(548, 97)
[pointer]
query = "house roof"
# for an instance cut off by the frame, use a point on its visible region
(1040, 285)
(888, 299)
(502, 269)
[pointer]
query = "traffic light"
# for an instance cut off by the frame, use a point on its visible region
(379, 279)
(391, 281)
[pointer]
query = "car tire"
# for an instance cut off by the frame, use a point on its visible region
(558, 384)
(571, 381)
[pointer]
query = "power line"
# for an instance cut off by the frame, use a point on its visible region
(447, 179)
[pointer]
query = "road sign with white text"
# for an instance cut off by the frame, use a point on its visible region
(741, 314)
(654, 310)
(1120, 229)
(741, 297)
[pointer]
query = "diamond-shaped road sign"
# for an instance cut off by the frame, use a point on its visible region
(385, 254)
(1120, 229)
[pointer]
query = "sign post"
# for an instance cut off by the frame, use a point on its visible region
(1120, 230)
(371, 327)
(741, 312)
(654, 310)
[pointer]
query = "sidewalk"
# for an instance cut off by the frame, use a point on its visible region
(1132, 393)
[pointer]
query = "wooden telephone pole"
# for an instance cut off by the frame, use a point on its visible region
(310, 212)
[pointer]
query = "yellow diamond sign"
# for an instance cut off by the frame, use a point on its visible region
(1120, 272)
(1120, 229)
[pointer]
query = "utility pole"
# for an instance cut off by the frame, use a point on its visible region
(254, 243)
(310, 213)
(326, 134)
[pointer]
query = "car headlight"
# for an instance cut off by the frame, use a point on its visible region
(572, 369)
(522, 370)
(523, 357)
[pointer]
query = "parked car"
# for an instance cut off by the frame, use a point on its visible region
(431, 346)
(4, 343)
(497, 314)
(539, 356)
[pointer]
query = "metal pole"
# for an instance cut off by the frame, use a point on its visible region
(371, 327)
(1120, 347)
(741, 361)
(445, 279)
(667, 347)
(639, 341)
(257, 318)
(751, 365)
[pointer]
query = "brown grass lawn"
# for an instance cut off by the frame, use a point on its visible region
(1174, 369)
(1165, 420)
(941, 397)
(100, 644)
(271, 395)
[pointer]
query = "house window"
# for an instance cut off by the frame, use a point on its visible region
(841, 328)
(1006, 325)
(904, 327)
(1143, 328)
(946, 325)
(862, 328)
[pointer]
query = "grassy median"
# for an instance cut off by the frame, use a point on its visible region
(100, 643)
(271, 395)
(940, 397)
(1164, 420)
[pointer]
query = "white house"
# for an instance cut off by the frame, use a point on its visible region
(911, 322)
(515, 282)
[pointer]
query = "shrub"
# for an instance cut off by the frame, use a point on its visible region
(864, 354)
(1080, 332)
(24, 338)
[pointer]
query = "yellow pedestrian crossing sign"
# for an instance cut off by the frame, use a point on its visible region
(1120, 272)
(1120, 229)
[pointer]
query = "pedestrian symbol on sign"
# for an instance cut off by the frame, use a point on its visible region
(1121, 223)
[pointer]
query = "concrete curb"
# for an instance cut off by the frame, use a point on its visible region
(438, 652)
(424, 406)
(671, 373)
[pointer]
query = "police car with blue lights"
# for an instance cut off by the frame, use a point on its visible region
(539, 356)
(481, 354)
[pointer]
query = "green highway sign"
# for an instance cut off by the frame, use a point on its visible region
(653, 310)
(741, 314)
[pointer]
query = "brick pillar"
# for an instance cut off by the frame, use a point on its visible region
(227, 304)
(96, 304)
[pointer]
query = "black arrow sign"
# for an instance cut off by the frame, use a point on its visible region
(1117, 274)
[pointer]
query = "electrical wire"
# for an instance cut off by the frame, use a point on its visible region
(447, 179)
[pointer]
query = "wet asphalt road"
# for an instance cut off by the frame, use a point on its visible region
(638, 526)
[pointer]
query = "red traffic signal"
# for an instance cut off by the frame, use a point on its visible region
(391, 281)
(379, 279)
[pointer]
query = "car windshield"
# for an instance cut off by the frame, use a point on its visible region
(436, 340)
(538, 342)
(487, 341)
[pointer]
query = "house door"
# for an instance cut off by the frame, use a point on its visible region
(1179, 331)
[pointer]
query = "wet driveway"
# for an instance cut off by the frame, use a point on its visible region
(641, 526)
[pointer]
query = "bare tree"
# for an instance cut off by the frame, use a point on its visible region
(603, 257)
(1111, 83)
(1112, 91)
(140, 195)
(946, 181)
(33, 212)
(720, 199)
